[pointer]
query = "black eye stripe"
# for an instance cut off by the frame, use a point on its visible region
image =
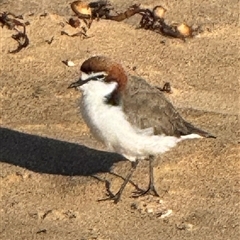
(99, 77)
(95, 78)
(81, 82)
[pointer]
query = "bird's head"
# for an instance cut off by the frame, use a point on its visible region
(102, 76)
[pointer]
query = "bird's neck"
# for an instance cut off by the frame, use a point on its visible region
(114, 98)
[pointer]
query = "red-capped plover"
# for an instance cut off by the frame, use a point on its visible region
(130, 116)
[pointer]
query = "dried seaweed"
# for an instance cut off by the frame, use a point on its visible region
(12, 24)
(22, 40)
(151, 19)
(166, 88)
(75, 34)
(131, 11)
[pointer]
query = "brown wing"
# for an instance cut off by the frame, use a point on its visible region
(147, 107)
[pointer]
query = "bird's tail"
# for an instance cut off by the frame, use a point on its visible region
(192, 129)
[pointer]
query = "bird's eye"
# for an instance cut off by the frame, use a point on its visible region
(100, 78)
(97, 78)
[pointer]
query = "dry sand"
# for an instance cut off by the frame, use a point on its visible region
(48, 158)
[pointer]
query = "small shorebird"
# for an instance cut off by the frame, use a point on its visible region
(130, 116)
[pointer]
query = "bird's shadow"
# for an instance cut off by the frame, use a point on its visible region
(46, 155)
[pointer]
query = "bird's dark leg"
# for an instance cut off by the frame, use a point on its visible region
(151, 189)
(117, 196)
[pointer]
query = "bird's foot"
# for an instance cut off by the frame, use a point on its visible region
(113, 197)
(150, 191)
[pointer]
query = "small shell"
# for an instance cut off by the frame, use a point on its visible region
(69, 63)
(81, 8)
(150, 210)
(185, 30)
(159, 11)
(167, 213)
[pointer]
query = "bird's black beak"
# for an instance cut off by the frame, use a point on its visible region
(76, 84)
(80, 82)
